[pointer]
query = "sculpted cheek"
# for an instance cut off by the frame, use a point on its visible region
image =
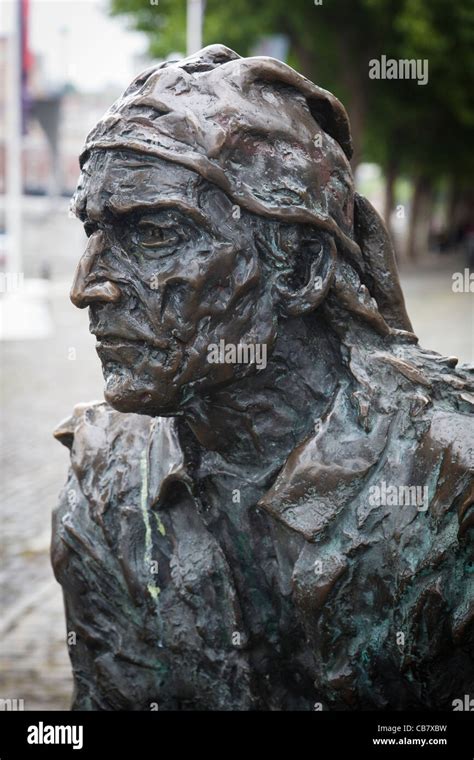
(210, 285)
(229, 279)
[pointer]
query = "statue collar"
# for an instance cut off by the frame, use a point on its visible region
(320, 477)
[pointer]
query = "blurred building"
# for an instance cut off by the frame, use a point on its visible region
(78, 112)
(57, 123)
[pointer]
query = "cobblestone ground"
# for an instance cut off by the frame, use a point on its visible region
(41, 386)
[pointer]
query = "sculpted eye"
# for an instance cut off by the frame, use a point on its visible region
(151, 235)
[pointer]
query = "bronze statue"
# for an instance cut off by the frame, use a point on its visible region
(274, 507)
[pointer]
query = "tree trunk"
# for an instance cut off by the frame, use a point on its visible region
(420, 218)
(354, 78)
(391, 174)
(459, 212)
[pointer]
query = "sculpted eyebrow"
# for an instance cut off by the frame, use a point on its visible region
(185, 209)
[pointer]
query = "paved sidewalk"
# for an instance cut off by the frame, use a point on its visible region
(442, 319)
(41, 387)
(34, 664)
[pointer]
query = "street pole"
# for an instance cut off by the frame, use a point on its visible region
(13, 194)
(194, 20)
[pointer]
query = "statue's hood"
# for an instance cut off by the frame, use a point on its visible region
(274, 142)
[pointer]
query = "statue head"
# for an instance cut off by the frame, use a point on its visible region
(219, 202)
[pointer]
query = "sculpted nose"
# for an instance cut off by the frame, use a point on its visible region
(88, 287)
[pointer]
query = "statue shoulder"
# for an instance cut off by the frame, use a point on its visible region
(452, 432)
(95, 426)
(65, 430)
(115, 453)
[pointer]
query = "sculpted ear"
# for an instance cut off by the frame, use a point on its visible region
(317, 259)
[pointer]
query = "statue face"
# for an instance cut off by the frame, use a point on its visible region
(170, 268)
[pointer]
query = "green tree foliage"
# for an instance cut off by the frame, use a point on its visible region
(417, 129)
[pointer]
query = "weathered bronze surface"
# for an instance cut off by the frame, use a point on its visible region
(284, 529)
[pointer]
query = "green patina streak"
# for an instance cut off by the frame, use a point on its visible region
(159, 524)
(153, 589)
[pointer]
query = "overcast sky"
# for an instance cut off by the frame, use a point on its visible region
(80, 38)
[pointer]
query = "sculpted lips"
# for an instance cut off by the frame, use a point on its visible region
(118, 351)
(110, 340)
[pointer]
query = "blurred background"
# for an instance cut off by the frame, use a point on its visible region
(62, 64)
